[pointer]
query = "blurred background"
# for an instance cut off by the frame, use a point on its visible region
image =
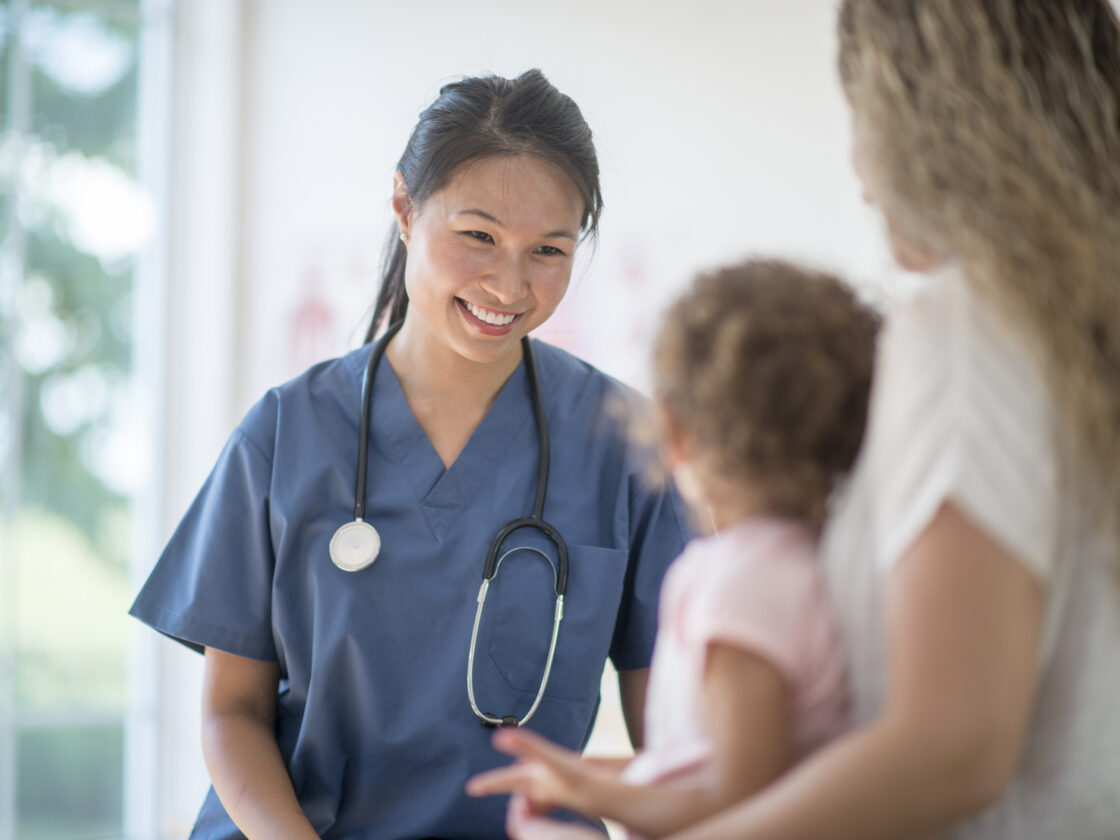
(194, 196)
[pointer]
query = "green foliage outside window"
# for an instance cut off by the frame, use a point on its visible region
(73, 219)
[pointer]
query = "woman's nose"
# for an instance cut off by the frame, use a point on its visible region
(508, 281)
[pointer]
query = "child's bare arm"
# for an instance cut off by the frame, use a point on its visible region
(747, 717)
(746, 706)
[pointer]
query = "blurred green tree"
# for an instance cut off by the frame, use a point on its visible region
(73, 219)
(73, 316)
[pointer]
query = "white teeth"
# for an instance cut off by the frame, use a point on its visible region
(495, 318)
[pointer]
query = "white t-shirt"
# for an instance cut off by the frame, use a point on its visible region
(960, 412)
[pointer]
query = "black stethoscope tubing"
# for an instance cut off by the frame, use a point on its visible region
(363, 426)
(493, 557)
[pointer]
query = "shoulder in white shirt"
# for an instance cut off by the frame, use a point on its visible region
(960, 412)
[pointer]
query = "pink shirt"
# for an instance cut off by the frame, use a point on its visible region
(758, 586)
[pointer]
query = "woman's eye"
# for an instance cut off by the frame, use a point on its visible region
(481, 236)
(549, 251)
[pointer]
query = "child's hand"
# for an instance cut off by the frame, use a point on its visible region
(548, 776)
(523, 824)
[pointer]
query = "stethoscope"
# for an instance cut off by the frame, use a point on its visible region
(355, 545)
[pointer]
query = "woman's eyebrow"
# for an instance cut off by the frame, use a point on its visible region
(474, 211)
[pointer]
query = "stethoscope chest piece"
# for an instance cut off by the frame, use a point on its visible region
(355, 546)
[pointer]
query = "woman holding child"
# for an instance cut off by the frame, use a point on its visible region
(973, 557)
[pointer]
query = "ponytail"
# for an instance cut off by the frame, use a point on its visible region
(392, 299)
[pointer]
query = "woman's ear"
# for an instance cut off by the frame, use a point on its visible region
(402, 207)
(911, 255)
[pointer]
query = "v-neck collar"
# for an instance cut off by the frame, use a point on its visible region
(444, 494)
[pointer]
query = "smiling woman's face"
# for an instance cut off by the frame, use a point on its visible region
(489, 255)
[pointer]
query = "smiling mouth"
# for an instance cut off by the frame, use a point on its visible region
(489, 316)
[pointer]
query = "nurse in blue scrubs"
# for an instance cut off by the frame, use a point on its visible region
(335, 701)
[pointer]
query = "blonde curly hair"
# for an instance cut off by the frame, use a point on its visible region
(767, 368)
(990, 134)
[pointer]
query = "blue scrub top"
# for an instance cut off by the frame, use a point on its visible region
(373, 720)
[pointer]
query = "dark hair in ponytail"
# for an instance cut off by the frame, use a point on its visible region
(488, 116)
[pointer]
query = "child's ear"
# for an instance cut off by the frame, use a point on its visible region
(676, 449)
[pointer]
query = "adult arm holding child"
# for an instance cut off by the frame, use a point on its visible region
(958, 702)
(959, 699)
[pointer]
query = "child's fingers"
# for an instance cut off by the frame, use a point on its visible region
(517, 814)
(521, 824)
(609, 764)
(510, 779)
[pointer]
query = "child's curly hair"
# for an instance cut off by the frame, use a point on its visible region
(767, 369)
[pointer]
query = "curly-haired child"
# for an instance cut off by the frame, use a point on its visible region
(762, 373)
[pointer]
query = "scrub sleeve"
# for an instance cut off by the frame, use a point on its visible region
(217, 592)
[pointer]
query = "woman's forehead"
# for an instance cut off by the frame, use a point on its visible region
(514, 187)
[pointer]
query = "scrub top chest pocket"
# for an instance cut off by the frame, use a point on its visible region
(516, 626)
